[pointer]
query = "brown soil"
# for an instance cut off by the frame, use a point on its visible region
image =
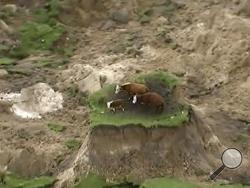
(205, 43)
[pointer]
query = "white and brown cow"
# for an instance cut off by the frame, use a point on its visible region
(118, 104)
(151, 99)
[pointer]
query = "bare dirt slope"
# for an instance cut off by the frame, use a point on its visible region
(205, 43)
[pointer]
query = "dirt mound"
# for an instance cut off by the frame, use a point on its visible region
(138, 153)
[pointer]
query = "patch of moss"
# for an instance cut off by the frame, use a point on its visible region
(13, 181)
(56, 127)
(73, 144)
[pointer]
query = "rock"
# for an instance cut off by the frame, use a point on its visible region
(10, 8)
(37, 100)
(121, 16)
(5, 27)
(3, 73)
(107, 70)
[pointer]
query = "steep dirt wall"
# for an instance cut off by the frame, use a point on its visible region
(138, 152)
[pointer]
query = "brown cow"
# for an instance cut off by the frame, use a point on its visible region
(132, 88)
(118, 104)
(152, 99)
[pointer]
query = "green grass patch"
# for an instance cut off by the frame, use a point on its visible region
(97, 101)
(91, 181)
(167, 183)
(100, 115)
(121, 119)
(7, 61)
(166, 79)
(56, 127)
(48, 13)
(94, 181)
(13, 181)
(73, 144)
(36, 37)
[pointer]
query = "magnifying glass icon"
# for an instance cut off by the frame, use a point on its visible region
(231, 158)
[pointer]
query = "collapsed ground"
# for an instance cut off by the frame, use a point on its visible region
(204, 43)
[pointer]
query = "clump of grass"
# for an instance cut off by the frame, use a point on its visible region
(97, 100)
(167, 79)
(35, 37)
(144, 16)
(13, 181)
(73, 144)
(92, 181)
(6, 61)
(167, 183)
(56, 127)
(48, 13)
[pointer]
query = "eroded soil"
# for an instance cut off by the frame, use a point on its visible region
(205, 43)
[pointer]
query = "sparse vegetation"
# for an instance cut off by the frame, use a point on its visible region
(95, 181)
(167, 79)
(92, 181)
(13, 181)
(167, 183)
(73, 144)
(56, 127)
(48, 13)
(35, 37)
(20, 71)
(6, 61)
(144, 16)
